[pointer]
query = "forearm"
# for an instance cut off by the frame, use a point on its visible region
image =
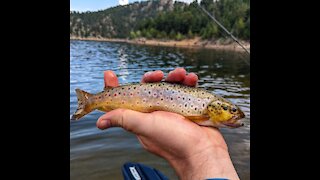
(215, 163)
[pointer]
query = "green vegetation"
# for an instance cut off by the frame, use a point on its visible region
(189, 21)
(115, 22)
(164, 20)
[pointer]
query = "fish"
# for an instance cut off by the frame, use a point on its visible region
(196, 104)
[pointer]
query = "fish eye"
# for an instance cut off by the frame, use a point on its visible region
(234, 109)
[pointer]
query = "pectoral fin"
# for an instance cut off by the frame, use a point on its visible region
(197, 118)
(201, 120)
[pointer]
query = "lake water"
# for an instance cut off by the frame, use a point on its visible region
(96, 154)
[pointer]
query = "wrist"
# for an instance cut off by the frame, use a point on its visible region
(209, 163)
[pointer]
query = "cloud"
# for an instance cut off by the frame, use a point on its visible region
(123, 2)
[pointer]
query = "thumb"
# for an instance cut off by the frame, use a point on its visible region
(133, 121)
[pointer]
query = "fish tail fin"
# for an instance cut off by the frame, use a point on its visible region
(83, 104)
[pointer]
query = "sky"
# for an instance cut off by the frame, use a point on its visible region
(94, 5)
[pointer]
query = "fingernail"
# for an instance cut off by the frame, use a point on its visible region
(147, 74)
(104, 124)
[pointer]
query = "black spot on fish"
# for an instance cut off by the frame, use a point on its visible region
(185, 105)
(171, 99)
(149, 92)
(195, 108)
(134, 87)
(225, 108)
(122, 88)
(161, 99)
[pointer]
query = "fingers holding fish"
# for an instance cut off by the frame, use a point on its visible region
(176, 76)
(152, 76)
(179, 75)
(110, 79)
(191, 79)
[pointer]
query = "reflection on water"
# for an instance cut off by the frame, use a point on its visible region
(96, 154)
(123, 63)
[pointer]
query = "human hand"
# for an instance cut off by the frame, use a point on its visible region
(195, 152)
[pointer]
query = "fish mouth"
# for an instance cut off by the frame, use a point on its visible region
(234, 125)
(234, 122)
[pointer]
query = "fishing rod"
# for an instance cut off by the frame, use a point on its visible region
(229, 33)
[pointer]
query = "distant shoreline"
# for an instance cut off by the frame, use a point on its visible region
(187, 43)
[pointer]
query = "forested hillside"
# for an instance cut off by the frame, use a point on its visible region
(164, 20)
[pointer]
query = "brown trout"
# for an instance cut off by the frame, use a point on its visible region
(197, 105)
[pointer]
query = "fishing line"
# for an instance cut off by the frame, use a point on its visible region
(229, 33)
